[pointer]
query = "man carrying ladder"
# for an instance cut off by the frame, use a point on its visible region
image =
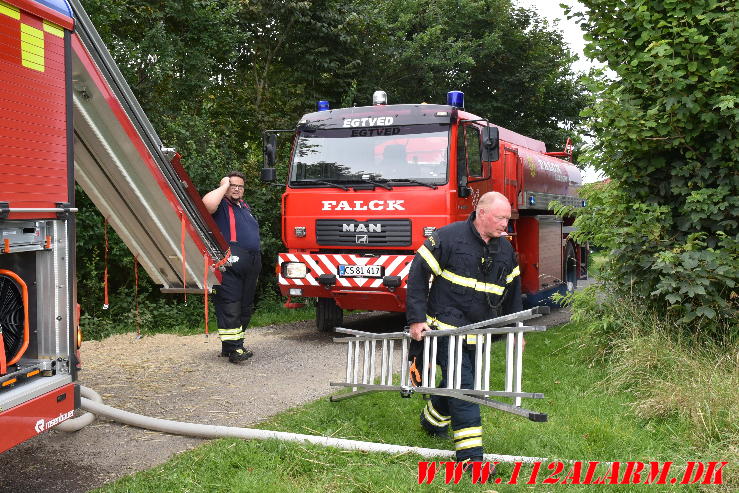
(475, 278)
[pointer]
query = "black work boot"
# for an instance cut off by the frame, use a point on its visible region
(239, 355)
(485, 473)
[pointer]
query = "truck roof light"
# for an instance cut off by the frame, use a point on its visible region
(323, 105)
(455, 98)
(379, 98)
(441, 113)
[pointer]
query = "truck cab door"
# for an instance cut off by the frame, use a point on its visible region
(473, 174)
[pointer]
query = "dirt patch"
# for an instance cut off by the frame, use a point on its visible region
(182, 378)
(179, 378)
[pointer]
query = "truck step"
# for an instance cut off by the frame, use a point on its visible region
(9, 380)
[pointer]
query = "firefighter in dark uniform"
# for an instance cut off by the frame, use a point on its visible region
(234, 298)
(475, 277)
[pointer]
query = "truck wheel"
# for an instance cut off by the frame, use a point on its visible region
(328, 315)
(570, 268)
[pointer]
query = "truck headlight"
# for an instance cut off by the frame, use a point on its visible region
(294, 270)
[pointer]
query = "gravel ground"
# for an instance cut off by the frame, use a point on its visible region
(181, 378)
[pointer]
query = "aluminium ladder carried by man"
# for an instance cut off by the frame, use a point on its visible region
(361, 356)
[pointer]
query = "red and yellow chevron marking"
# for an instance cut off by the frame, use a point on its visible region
(32, 31)
(10, 11)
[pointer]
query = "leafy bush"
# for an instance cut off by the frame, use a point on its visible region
(666, 135)
(688, 281)
(153, 316)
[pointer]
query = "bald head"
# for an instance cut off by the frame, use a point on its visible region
(492, 215)
(490, 198)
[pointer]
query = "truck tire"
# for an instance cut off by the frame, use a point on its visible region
(570, 268)
(328, 315)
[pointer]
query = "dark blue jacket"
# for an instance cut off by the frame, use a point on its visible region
(473, 280)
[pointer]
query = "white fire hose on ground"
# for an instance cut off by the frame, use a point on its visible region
(80, 422)
(93, 404)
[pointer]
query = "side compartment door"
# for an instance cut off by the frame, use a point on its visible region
(511, 176)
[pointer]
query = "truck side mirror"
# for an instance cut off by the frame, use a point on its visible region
(463, 191)
(490, 144)
(270, 155)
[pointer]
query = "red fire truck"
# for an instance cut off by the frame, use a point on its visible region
(67, 115)
(367, 185)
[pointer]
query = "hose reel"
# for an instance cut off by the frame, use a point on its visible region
(14, 332)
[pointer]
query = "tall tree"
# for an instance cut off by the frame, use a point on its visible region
(514, 68)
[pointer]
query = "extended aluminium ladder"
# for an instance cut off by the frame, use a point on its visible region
(361, 356)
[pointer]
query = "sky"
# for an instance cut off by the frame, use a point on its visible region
(573, 36)
(550, 10)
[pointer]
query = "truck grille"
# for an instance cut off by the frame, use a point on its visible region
(377, 232)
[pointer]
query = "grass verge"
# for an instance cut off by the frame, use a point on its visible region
(591, 418)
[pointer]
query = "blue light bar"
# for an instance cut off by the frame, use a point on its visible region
(455, 98)
(60, 6)
(323, 105)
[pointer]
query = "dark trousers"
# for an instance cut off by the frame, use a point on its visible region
(465, 416)
(234, 298)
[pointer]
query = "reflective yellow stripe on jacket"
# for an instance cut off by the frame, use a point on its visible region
(469, 282)
(515, 272)
(437, 324)
(485, 287)
(430, 260)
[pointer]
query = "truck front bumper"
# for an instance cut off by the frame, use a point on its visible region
(379, 285)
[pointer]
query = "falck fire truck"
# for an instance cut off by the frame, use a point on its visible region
(67, 115)
(367, 185)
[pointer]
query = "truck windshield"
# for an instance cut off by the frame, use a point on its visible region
(399, 155)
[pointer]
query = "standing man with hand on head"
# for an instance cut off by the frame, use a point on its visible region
(476, 278)
(234, 298)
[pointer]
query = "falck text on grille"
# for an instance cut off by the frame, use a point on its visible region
(361, 205)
